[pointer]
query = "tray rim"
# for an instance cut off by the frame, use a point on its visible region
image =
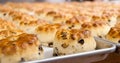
(88, 53)
(117, 44)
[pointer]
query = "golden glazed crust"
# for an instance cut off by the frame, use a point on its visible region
(97, 28)
(48, 27)
(7, 33)
(18, 43)
(19, 17)
(61, 12)
(46, 33)
(93, 24)
(114, 35)
(4, 25)
(74, 23)
(72, 34)
(114, 32)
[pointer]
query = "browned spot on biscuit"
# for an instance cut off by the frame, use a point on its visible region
(72, 37)
(65, 45)
(95, 24)
(4, 14)
(86, 25)
(113, 37)
(64, 35)
(51, 13)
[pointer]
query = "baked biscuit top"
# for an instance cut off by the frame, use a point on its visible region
(72, 34)
(6, 25)
(17, 44)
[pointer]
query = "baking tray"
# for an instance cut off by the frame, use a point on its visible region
(103, 49)
(117, 45)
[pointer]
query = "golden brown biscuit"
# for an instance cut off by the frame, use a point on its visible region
(73, 23)
(73, 41)
(19, 48)
(46, 33)
(97, 28)
(114, 35)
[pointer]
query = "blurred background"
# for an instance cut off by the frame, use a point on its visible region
(53, 1)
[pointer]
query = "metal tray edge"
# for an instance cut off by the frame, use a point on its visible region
(100, 51)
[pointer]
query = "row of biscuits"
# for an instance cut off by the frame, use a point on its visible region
(60, 13)
(72, 14)
(44, 31)
(67, 27)
(87, 15)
